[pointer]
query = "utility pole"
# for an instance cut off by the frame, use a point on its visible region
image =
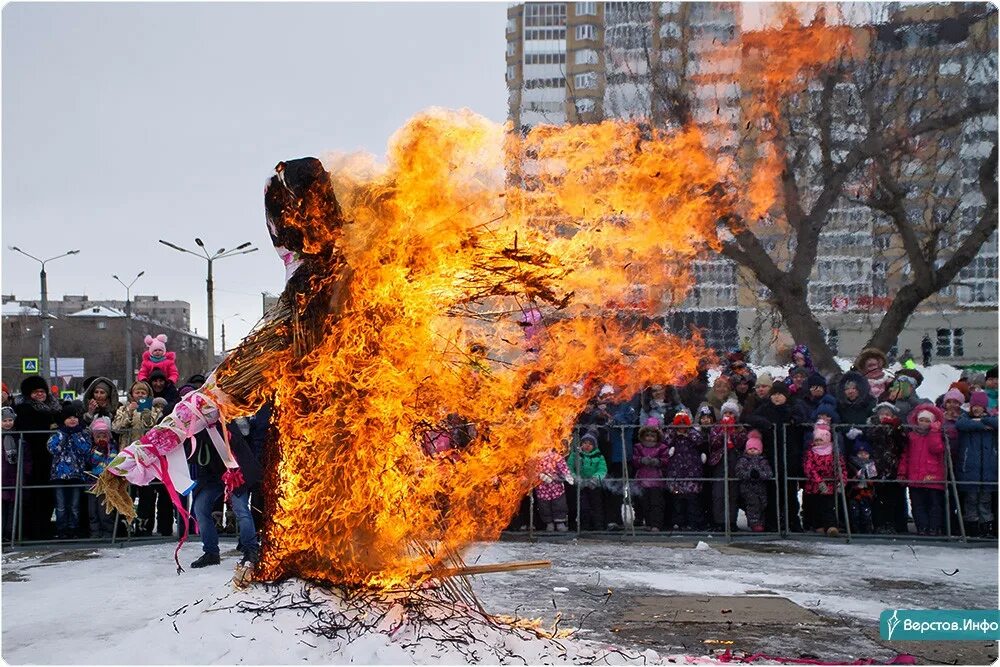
(45, 370)
(129, 377)
(221, 253)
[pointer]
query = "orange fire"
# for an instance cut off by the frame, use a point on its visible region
(414, 426)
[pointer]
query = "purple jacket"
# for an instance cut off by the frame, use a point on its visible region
(646, 475)
(685, 462)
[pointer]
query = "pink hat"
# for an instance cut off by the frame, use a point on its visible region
(653, 421)
(979, 398)
(754, 443)
(821, 434)
(157, 346)
(954, 394)
(100, 425)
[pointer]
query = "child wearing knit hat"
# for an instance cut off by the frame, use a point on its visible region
(977, 462)
(650, 457)
(725, 443)
(753, 470)
(922, 468)
(861, 492)
(590, 467)
(101, 454)
(686, 463)
(818, 497)
(9, 468)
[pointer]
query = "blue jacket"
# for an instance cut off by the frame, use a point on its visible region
(977, 450)
(70, 454)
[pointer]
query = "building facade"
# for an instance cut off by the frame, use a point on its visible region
(579, 62)
(96, 335)
(174, 314)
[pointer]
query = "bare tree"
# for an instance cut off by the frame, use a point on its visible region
(883, 129)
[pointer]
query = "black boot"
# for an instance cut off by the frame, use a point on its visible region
(986, 529)
(206, 560)
(971, 529)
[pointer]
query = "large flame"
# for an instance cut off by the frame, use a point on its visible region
(487, 274)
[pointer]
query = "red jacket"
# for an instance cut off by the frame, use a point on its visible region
(819, 469)
(923, 457)
(167, 365)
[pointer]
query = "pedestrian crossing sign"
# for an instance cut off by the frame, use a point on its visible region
(67, 395)
(29, 364)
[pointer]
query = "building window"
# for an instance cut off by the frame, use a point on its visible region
(586, 9)
(586, 57)
(511, 48)
(511, 72)
(585, 80)
(586, 31)
(585, 105)
(544, 58)
(511, 25)
(545, 83)
(102, 325)
(950, 343)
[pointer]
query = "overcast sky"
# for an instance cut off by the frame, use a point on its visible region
(126, 123)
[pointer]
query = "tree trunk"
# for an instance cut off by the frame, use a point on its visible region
(804, 327)
(894, 320)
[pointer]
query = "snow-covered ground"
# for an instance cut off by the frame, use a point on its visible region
(127, 605)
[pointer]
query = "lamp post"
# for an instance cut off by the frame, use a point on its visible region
(128, 326)
(224, 319)
(221, 253)
(44, 371)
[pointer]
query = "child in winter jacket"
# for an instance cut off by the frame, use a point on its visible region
(818, 496)
(649, 456)
(888, 439)
(70, 449)
(590, 469)
(861, 492)
(101, 454)
(550, 493)
(922, 467)
(753, 471)
(977, 462)
(725, 444)
(156, 356)
(9, 463)
(685, 465)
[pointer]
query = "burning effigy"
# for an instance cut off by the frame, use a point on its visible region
(446, 317)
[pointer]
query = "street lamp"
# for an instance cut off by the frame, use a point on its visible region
(45, 306)
(221, 253)
(224, 319)
(128, 326)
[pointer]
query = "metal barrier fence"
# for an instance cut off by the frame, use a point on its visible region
(624, 488)
(14, 519)
(784, 519)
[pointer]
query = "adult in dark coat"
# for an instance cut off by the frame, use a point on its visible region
(210, 487)
(855, 402)
(165, 389)
(37, 410)
(779, 421)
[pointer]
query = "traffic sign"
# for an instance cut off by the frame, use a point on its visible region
(29, 364)
(67, 395)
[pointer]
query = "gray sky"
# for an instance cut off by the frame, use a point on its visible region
(125, 123)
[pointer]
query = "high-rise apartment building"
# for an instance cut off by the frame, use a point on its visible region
(578, 62)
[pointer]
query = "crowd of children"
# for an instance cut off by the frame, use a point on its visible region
(697, 454)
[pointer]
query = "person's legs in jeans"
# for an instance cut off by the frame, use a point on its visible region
(244, 519)
(61, 501)
(205, 495)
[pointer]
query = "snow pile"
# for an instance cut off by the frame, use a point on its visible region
(140, 613)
